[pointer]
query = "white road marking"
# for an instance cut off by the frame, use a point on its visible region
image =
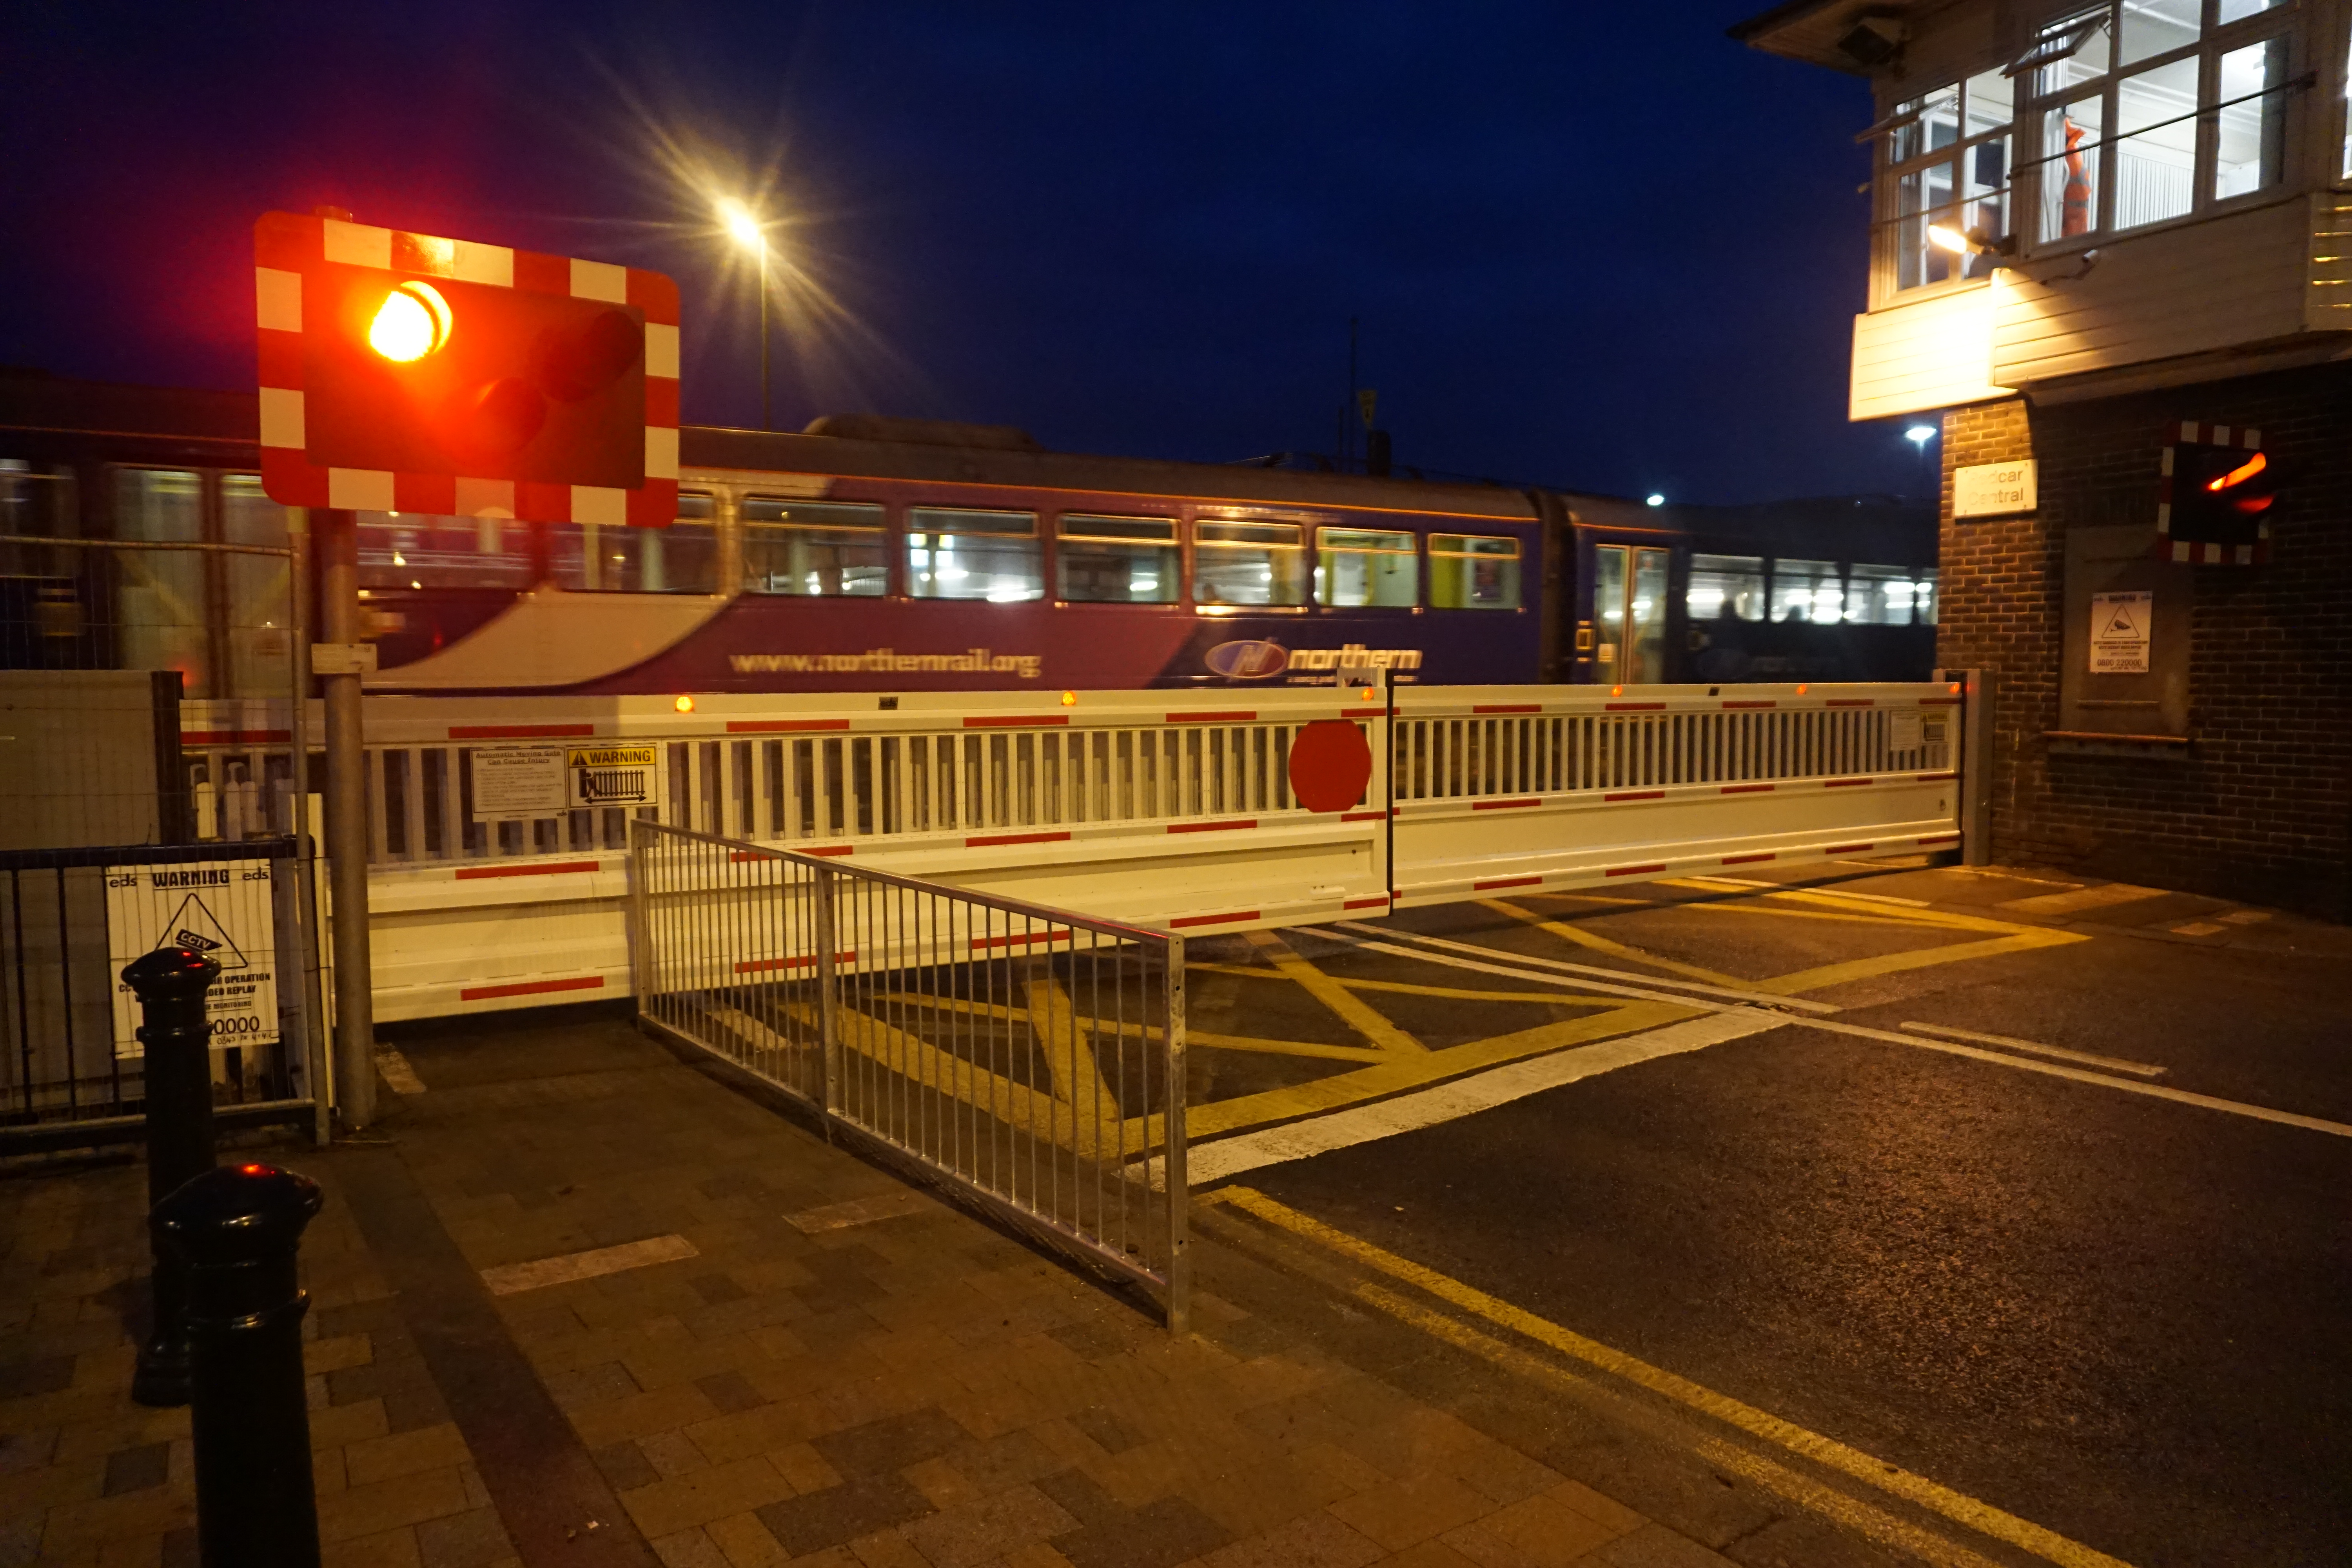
(860, 1211)
(509, 1277)
(2010, 1042)
(396, 1071)
(1764, 998)
(2198, 928)
(2155, 1090)
(1215, 1160)
(2247, 917)
(2053, 1069)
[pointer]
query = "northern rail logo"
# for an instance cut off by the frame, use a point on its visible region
(1260, 660)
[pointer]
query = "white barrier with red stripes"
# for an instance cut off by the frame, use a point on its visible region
(1170, 809)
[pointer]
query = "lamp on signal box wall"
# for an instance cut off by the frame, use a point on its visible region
(1971, 242)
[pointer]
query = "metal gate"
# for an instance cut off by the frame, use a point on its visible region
(1029, 1058)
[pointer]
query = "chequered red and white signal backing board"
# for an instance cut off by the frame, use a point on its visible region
(2199, 433)
(288, 248)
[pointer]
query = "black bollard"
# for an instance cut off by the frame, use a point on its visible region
(170, 983)
(238, 1230)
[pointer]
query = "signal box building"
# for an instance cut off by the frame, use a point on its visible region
(2110, 246)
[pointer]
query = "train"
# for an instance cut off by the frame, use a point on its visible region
(877, 554)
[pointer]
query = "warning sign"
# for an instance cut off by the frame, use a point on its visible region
(2122, 626)
(223, 910)
(613, 775)
(518, 783)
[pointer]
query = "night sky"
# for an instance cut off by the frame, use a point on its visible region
(1602, 247)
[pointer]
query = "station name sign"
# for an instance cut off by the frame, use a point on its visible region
(1993, 489)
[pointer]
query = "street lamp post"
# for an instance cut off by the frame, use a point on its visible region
(748, 233)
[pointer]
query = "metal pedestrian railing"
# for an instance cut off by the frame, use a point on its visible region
(72, 1072)
(1027, 1057)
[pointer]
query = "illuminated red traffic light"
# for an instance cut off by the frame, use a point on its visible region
(413, 321)
(407, 372)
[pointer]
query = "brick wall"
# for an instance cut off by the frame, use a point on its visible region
(2261, 808)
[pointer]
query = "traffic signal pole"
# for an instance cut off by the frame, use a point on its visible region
(337, 541)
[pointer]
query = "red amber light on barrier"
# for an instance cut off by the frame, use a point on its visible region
(1069, 699)
(412, 321)
(684, 704)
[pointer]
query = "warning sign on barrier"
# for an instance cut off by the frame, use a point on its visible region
(612, 776)
(223, 910)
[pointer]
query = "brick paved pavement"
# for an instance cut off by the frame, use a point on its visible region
(889, 1382)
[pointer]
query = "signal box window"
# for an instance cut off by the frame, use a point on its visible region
(1116, 560)
(1236, 562)
(2120, 91)
(1947, 167)
(1469, 571)
(1725, 588)
(1807, 591)
(680, 559)
(953, 553)
(827, 550)
(1881, 596)
(1359, 567)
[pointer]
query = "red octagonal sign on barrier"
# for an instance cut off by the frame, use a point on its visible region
(1331, 763)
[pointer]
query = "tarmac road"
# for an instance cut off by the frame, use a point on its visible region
(2113, 1314)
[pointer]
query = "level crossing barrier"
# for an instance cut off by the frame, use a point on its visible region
(1168, 810)
(1027, 1057)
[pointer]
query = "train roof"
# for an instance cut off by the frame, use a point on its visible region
(1011, 463)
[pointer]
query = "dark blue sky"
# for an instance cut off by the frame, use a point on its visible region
(1602, 246)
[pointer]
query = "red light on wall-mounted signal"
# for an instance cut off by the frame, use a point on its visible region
(412, 321)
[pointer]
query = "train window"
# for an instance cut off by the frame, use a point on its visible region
(1469, 571)
(37, 505)
(953, 554)
(1726, 587)
(1116, 560)
(1881, 596)
(1807, 591)
(680, 559)
(1923, 593)
(1359, 566)
(418, 549)
(1248, 562)
(260, 598)
(159, 594)
(815, 548)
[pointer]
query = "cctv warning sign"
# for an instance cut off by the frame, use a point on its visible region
(225, 910)
(2122, 627)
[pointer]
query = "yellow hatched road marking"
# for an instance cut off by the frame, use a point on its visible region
(1599, 944)
(1069, 1055)
(1358, 1015)
(1917, 958)
(1393, 1074)
(1961, 1509)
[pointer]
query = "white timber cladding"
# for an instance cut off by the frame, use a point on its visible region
(2238, 278)
(1169, 809)
(1935, 352)
(2327, 298)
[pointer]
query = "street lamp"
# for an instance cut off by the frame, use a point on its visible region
(1919, 435)
(748, 232)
